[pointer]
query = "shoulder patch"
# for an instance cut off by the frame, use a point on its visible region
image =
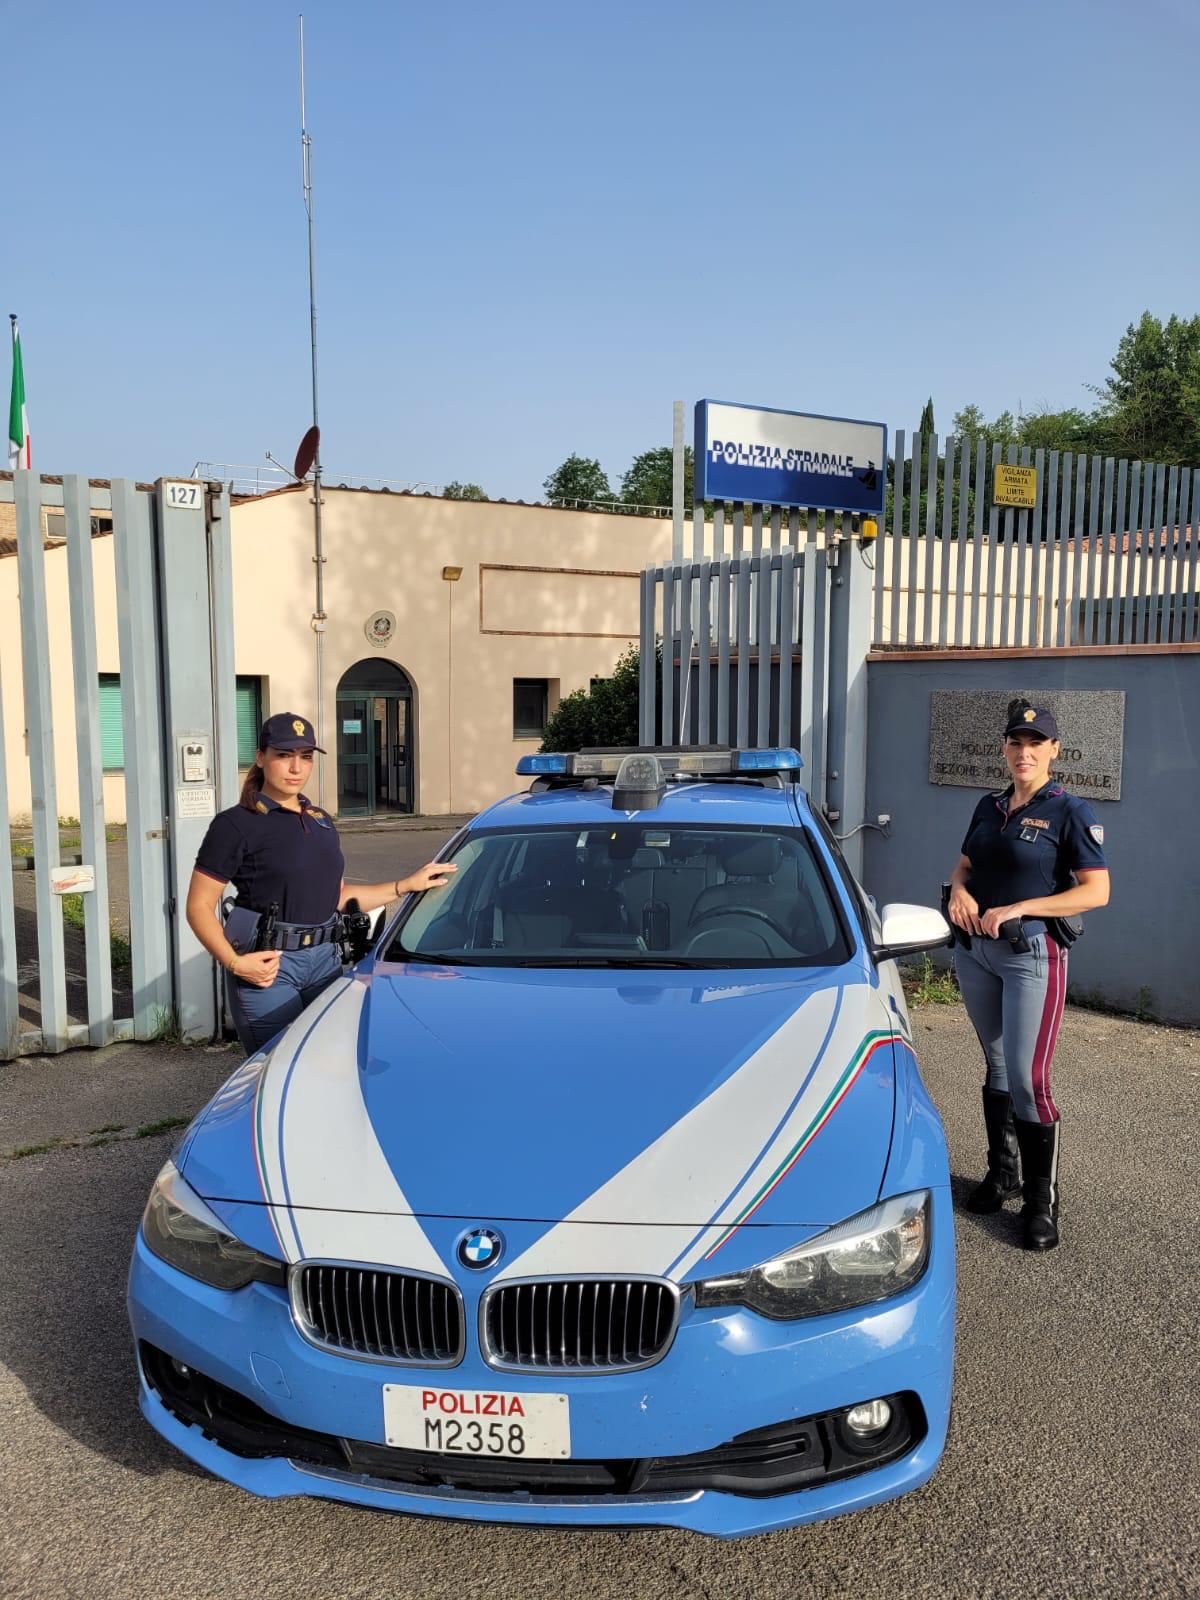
(1097, 832)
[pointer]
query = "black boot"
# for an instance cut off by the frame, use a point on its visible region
(1003, 1175)
(1039, 1163)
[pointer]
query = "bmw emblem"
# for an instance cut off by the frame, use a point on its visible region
(482, 1247)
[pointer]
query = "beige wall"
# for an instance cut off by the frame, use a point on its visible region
(543, 594)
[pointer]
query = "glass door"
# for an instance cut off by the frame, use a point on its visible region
(355, 755)
(389, 717)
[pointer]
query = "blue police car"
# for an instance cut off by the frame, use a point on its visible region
(604, 1192)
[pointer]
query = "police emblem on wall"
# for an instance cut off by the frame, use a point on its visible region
(380, 628)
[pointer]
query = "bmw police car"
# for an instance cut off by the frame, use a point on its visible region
(604, 1191)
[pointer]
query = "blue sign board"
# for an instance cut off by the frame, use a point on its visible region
(789, 458)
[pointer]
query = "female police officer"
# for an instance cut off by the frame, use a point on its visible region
(1034, 853)
(279, 850)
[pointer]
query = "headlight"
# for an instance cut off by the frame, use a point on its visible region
(183, 1232)
(872, 1256)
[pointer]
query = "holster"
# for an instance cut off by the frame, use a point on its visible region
(959, 935)
(1064, 930)
(241, 926)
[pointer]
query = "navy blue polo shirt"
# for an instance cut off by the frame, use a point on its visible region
(1032, 851)
(273, 856)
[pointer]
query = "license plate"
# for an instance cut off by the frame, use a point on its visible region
(476, 1422)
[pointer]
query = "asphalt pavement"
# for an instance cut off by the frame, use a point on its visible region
(1071, 1464)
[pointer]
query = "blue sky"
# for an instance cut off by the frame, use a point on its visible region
(539, 223)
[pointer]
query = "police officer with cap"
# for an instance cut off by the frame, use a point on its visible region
(280, 942)
(1032, 857)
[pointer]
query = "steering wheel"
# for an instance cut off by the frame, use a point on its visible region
(741, 911)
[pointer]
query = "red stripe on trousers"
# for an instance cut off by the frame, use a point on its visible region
(1052, 1010)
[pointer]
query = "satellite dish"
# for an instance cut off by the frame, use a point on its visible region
(307, 453)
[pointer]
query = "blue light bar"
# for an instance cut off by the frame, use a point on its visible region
(540, 766)
(779, 760)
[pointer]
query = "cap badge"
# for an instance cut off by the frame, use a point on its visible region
(298, 728)
(1030, 716)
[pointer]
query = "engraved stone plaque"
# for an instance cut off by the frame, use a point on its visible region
(966, 732)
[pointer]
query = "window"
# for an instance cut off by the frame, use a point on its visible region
(112, 733)
(249, 718)
(531, 698)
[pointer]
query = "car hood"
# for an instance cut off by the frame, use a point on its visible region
(698, 1102)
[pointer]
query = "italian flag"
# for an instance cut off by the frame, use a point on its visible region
(19, 453)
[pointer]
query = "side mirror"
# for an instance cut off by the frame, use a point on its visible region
(907, 930)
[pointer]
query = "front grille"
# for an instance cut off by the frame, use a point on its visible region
(593, 1325)
(365, 1311)
(778, 1459)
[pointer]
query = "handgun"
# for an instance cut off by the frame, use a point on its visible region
(266, 929)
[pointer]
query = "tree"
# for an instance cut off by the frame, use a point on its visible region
(578, 478)
(607, 714)
(1150, 406)
(463, 491)
(650, 480)
(928, 425)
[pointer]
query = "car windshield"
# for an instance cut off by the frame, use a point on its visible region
(628, 894)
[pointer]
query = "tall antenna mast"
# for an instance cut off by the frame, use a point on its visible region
(318, 619)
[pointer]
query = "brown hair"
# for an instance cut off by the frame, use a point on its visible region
(251, 788)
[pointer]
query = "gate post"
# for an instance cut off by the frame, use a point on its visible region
(195, 612)
(851, 590)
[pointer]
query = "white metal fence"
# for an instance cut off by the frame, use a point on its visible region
(1107, 555)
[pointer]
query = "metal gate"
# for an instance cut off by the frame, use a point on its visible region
(765, 645)
(171, 571)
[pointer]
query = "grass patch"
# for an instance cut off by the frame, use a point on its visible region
(74, 915)
(166, 1027)
(36, 1149)
(928, 985)
(109, 1127)
(149, 1129)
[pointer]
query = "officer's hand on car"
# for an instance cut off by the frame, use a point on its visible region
(964, 911)
(431, 876)
(259, 967)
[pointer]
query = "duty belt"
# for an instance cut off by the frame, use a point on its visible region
(295, 936)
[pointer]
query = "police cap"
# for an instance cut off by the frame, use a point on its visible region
(286, 731)
(1024, 718)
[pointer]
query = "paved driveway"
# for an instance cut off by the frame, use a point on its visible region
(1071, 1466)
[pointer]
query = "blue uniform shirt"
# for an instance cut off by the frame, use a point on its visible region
(292, 859)
(1032, 851)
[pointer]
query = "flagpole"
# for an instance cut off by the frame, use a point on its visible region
(318, 619)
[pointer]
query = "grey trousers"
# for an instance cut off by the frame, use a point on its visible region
(259, 1014)
(1015, 1003)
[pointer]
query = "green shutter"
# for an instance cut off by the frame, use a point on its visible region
(112, 735)
(248, 719)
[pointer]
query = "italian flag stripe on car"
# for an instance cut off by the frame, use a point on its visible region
(872, 1042)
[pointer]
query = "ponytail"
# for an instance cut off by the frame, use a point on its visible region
(251, 788)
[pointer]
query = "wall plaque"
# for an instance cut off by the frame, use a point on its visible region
(966, 732)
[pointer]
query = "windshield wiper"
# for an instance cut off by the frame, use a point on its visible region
(399, 954)
(595, 961)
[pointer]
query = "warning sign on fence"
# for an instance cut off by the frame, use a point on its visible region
(1015, 486)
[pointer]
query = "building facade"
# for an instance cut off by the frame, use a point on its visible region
(453, 629)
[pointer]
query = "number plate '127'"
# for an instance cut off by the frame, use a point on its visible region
(476, 1422)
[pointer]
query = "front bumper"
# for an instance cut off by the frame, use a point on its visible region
(728, 1372)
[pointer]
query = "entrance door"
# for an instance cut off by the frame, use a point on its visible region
(355, 763)
(376, 739)
(393, 770)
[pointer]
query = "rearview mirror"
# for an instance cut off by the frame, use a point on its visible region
(907, 930)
